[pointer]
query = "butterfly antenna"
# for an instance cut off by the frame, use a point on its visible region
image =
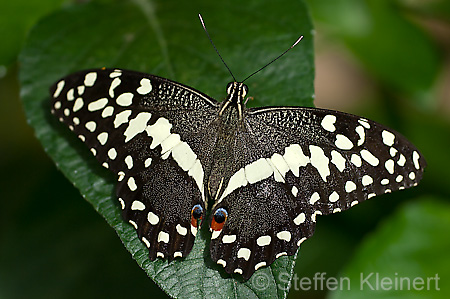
(279, 56)
(217, 51)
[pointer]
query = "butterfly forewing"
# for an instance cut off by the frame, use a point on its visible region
(309, 162)
(147, 130)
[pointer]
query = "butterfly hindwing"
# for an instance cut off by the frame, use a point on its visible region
(310, 162)
(148, 131)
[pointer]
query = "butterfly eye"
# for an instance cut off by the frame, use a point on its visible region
(229, 87)
(244, 90)
(219, 218)
(196, 215)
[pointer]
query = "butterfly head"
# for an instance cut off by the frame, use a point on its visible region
(236, 92)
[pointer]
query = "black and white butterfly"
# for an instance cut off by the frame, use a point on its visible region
(266, 172)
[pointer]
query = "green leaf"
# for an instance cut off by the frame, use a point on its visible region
(16, 18)
(394, 49)
(411, 245)
(165, 38)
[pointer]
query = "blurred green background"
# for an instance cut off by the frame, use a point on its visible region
(386, 60)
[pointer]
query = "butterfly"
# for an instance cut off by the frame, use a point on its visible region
(264, 173)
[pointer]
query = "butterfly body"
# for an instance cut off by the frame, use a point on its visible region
(265, 173)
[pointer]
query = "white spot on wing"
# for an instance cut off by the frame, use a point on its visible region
(97, 105)
(401, 160)
(228, 238)
(294, 157)
(222, 262)
(389, 165)
(163, 237)
(132, 184)
(369, 157)
(115, 73)
(314, 197)
(137, 125)
(91, 126)
(280, 254)
(415, 158)
(367, 180)
(244, 253)
(258, 171)
(121, 118)
(71, 95)
(215, 234)
(122, 203)
(328, 123)
(301, 241)
(90, 78)
(112, 153)
(184, 156)
(80, 89)
(129, 161)
(147, 162)
(196, 172)
(259, 265)
(313, 217)
(263, 240)
(388, 138)
(343, 142)
(294, 191)
(133, 224)
(181, 230)
(362, 135)
(108, 111)
(78, 104)
(102, 138)
(320, 161)
(159, 131)
(284, 235)
(59, 88)
(350, 186)
(145, 87)
(114, 84)
(236, 181)
(280, 164)
(125, 99)
(338, 160)
(393, 151)
(146, 242)
(137, 205)
(356, 160)
(333, 197)
(152, 218)
(363, 122)
(169, 143)
(300, 219)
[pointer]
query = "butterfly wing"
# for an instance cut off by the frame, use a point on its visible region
(147, 130)
(309, 162)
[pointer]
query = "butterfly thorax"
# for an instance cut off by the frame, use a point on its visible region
(231, 121)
